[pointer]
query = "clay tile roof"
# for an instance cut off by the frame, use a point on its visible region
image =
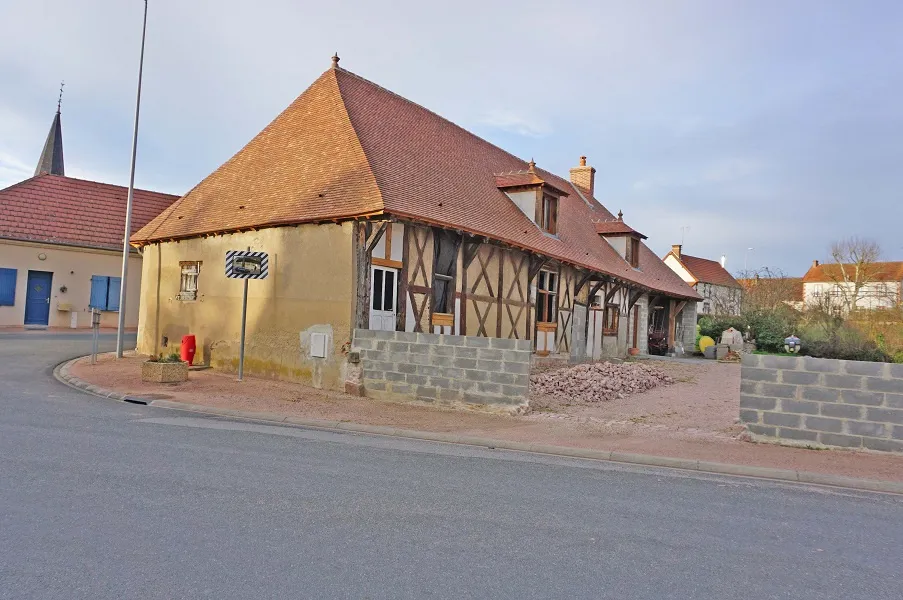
(347, 147)
(878, 271)
(63, 210)
(509, 180)
(616, 227)
(708, 271)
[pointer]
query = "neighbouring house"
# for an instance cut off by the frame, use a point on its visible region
(378, 214)
(840, 286)
(721, 293)
(61, 245)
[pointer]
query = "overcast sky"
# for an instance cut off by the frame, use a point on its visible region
(776, 125)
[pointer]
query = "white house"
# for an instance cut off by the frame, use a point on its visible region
(880, 285)
(721, 293)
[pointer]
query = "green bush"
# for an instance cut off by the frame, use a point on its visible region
(714, 326)
(770, 327)
(867, 351)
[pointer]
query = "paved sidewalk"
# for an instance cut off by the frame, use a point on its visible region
(220, 393)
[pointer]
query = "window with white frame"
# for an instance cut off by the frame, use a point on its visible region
(188, 286)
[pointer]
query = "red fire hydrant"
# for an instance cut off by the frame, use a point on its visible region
(187, 349)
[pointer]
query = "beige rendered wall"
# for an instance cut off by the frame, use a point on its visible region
(72, 268)
(309, 289)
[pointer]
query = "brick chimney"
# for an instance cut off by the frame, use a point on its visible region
(584, 177)
(814, 263)
(675, 250)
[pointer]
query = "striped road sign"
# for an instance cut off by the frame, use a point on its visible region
(244, 264)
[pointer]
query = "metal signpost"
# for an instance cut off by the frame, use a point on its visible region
(95, 330)
(244, 264)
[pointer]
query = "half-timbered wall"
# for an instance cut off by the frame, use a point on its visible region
(495, 292)
(567, 279)
(417, 277)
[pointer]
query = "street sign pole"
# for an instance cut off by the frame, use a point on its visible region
(244, 321)
(245, 265)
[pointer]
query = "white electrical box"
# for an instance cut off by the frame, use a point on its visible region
(318, 345)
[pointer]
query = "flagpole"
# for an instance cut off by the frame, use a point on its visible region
(123, 284)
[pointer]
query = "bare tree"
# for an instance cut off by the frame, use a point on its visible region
(769, 289)
(856, 272)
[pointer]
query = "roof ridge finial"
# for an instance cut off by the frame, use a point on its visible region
(620, 215)
(335, 60)
(531, 166)
(59, 102)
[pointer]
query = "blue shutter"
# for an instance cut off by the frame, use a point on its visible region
(113, 293)
(99, 285)
(7, 287)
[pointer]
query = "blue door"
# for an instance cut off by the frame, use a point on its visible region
(37, 298)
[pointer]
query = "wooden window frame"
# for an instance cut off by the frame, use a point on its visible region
(185, 277)
(547, 220)
(611, 320)
(448, 277)
(633, 252)
(547, 299)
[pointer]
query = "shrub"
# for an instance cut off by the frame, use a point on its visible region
(713, 326)
(172, 358)
(771, 327)
(867, 351)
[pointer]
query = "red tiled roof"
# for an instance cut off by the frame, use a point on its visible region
(508, 180)
(64, 210)
(347, 147)
(616, 227)
(878, 271)
(708, 271)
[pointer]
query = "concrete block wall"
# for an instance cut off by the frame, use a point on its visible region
(399, 365)
(804, 400)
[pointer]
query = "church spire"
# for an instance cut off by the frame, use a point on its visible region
(51, 160)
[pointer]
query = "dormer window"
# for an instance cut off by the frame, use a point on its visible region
(633, 252)
(536, 197)
(623, 238)
(548, 214)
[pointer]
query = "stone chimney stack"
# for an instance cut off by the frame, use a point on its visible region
(584, 177)
(675, 250)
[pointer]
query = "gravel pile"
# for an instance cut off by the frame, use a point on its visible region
(598, 382)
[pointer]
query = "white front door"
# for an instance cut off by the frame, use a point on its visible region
(383, 298)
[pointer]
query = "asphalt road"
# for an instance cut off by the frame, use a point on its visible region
(103, 499)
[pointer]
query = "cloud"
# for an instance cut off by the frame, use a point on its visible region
(516, 122)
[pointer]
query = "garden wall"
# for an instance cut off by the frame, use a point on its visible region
(803, 400)
(398, 365)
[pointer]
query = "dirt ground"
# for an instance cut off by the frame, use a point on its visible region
(693, 418)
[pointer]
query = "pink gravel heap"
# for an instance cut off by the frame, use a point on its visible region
(598, 382)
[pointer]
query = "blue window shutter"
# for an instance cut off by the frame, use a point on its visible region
(99, 285)
(113, 293)
(7, 287)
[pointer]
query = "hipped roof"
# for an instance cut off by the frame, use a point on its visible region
(348, 148)
(64, 210)
(877, 271)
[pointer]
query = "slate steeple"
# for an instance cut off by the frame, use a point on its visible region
(51, 160)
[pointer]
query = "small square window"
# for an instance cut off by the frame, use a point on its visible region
(188, 285)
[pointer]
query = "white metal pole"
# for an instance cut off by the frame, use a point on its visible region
(123, 284)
